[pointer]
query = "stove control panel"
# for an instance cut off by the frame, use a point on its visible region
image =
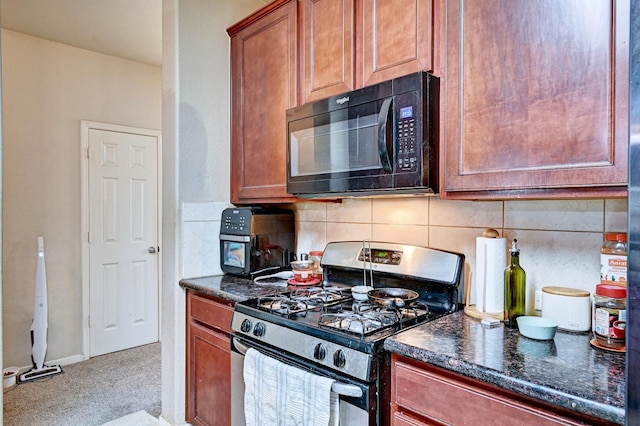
(384, 257)
(319, 352)
(329, 354)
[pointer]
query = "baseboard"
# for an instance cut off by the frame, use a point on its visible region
(62, 361)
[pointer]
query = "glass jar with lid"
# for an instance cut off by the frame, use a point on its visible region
(316, 257)
(613, 259)
(610, 316)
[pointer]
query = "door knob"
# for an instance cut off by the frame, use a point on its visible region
(152, 250)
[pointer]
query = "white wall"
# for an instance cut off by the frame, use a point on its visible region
(196, 135)
(47, 89)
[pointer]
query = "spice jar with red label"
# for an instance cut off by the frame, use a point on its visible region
(613, 259)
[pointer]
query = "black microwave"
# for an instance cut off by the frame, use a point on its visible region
(378, 140)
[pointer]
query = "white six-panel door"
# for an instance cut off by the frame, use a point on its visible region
(122, 239)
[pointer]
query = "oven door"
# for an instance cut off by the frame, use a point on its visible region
(235, 254)
(358, 401)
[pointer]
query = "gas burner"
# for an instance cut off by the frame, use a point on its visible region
(361, 324)
(365, 318)
(319, 296)
(283, 305)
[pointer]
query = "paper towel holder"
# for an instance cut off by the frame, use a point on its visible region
(471, 310)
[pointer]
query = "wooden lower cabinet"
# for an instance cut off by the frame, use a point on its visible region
(425, 395)
(208, 360)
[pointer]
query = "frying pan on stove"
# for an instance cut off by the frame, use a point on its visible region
(392, 297)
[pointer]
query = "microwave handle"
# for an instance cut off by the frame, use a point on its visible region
(385, 135)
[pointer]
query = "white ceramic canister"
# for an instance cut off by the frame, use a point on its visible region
(569, 307)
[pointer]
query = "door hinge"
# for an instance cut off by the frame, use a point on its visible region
(89, 153)
(89, 321)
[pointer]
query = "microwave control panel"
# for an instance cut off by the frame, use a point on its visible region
(407, 155)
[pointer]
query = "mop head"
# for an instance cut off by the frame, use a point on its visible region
(40, 373)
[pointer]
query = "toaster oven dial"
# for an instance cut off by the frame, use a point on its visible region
(259, 330)
(245, 327)
(319, 352)
(339, 360)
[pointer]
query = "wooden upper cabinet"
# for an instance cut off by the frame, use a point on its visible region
(328, 41)
(349, 44)
(535, 98)
(263, 87)
(397, 39)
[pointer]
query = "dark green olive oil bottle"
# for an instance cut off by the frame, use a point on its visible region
(515, 288)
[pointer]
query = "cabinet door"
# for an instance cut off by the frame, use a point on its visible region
(208, 376)
(535, 98)
(328, 42)
(397, 39)
(263, 87)
(431, 395)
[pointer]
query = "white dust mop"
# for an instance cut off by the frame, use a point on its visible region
(39, 325)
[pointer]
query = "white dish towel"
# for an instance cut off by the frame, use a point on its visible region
(277, 394)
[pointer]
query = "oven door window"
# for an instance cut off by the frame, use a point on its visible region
(233, 254)
(343, 141)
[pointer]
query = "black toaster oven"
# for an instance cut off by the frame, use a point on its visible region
(256, 240)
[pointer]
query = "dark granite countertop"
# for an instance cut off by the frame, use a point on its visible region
(232, 288)
(566, 371)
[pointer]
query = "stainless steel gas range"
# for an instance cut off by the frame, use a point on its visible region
(323, 330)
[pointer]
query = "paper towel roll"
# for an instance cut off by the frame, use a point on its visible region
(491, 260)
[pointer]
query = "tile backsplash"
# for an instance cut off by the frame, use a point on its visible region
(200, 242)
(559, 239)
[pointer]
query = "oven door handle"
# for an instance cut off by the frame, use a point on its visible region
(241, 347)
(344, 389)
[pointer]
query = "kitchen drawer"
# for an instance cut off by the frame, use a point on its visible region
(401, 419)
(210, 312)
(444, 399)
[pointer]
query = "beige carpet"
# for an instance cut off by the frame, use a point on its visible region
(90, 393)
(140, 418)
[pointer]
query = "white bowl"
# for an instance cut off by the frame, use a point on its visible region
(537, 327)
(9, 376)
(359, 292)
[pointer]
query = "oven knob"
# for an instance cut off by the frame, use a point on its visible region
(319, 352)
(339, 360)
(245, 327)
(258, 330)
